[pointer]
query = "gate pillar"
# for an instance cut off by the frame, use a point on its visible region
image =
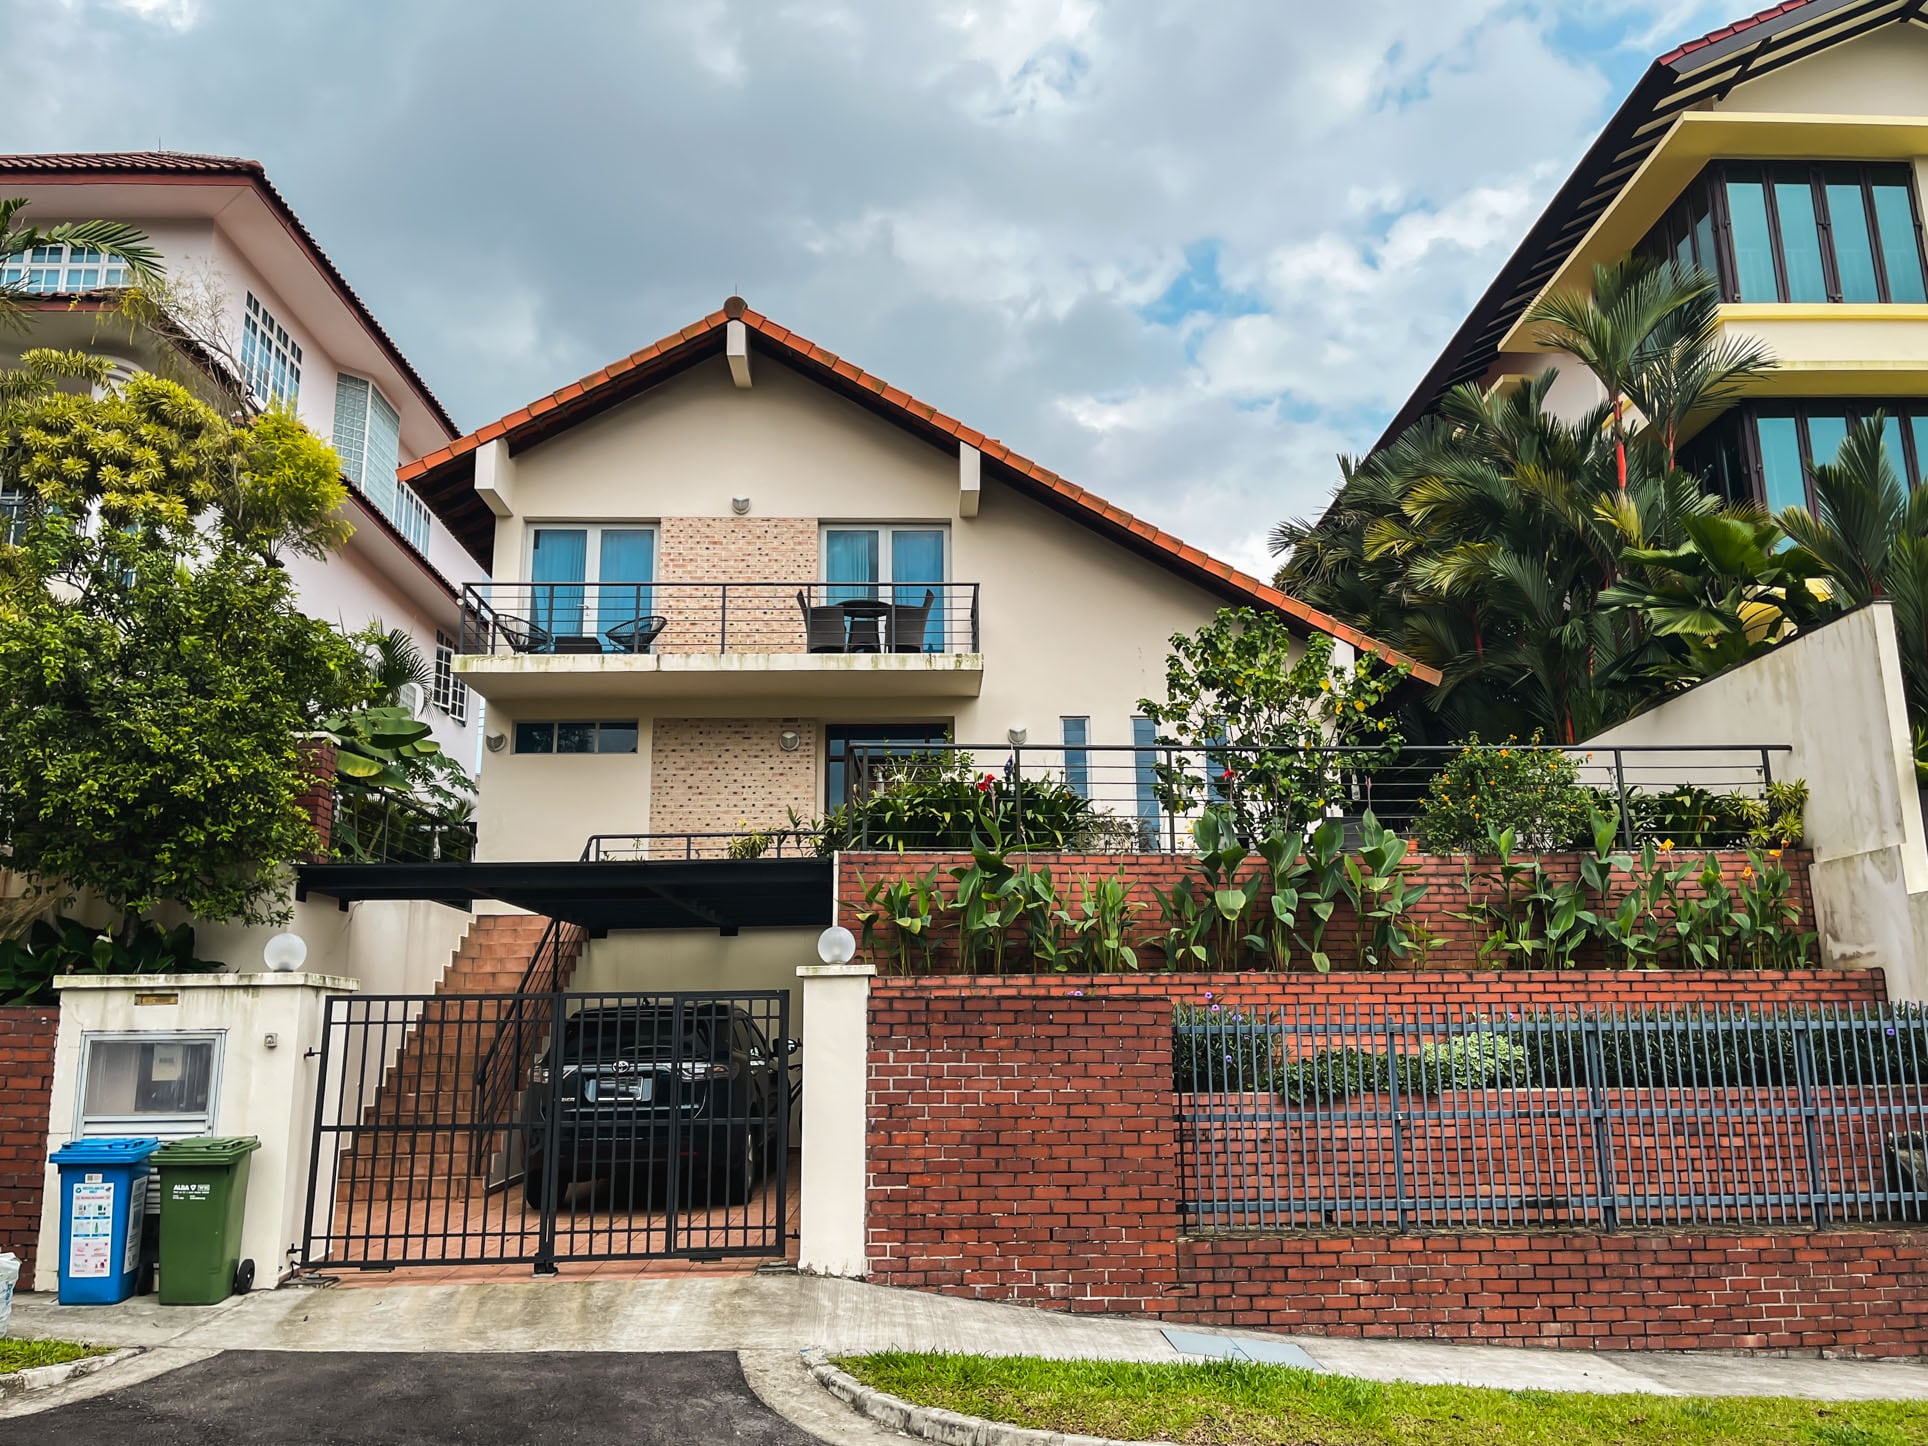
(835, 1174)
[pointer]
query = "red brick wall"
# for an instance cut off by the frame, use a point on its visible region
(1863, 1293)
(318, 797)
(1023, 1148)
(1442, 874)
(26, 1093)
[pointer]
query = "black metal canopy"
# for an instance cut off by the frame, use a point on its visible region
(727, 895)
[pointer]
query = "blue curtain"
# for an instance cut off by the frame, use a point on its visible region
(917, 566)
(1077, 761)
(628, 557)
(850, 564)
(1145, 780)
(561, 556)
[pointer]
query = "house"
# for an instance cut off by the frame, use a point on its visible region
(254, 308)
(729, 562)
(1785, 154)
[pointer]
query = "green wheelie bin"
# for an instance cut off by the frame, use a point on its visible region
(204, 1190)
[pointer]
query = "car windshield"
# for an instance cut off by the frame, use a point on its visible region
(646, 1032)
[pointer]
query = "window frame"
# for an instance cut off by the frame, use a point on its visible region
(448, 692)
(1747, 415)
(633, 726)
(262, 331)
(1710, 188)
(837, 741)
(592, 547)
(886, 550)
(396, 500)
(19, 268)
(166, 1126)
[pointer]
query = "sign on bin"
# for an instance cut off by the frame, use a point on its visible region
(91, 1228)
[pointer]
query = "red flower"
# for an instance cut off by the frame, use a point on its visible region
(1228, 775)
(987, 783)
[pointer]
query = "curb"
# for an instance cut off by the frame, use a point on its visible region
(947, 1428)
(38, 1378)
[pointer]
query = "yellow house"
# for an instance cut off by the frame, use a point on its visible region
(732, 560)
(1785, 154)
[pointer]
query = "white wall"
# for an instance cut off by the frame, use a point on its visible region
(1835, 696)
(264, 1089)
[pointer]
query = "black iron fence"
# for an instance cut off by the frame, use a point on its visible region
(643, 1125)
(719, 617)
(777, 842)
(1112, 798)
(368, 825)
(1415, 1118)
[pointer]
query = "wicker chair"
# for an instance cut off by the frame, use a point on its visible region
(823, 628)
(908, 624)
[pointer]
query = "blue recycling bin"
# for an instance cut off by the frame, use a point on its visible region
(103, 1202)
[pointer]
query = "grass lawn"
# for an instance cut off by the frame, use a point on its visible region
(1237, 1403)
(18, 1355)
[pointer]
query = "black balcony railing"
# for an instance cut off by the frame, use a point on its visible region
(719, 617)
(376, 826)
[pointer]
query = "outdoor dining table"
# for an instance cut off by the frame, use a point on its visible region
(864, 617)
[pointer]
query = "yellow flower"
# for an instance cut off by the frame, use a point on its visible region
(1666, 846)
(1747, 871)
(1325, 685)
(1359, 705)
(1774, 853)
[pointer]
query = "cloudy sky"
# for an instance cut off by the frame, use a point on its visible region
(1182, 254)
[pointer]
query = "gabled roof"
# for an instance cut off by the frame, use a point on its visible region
(161, 167)
(1687, 76)
(445, 478)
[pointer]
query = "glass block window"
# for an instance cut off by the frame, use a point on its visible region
(62, 270)
(451, 694)
(270, 358)
(368, 437)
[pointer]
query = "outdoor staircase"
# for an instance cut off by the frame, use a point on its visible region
(429, 1090)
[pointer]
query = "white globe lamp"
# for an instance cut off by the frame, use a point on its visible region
(836, 945)
(285, 953)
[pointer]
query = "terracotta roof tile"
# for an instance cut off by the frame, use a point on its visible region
(1091, 508)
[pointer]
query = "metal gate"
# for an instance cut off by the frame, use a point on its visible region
(468, 1129)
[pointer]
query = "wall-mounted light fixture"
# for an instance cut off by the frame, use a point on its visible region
(1017, 735)
(495, 741)
(789, 740)
(740, 506)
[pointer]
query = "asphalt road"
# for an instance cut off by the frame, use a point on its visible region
(268, 1398)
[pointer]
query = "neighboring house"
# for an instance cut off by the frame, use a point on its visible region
(1786, 154)
(252, 293)
(727, 560)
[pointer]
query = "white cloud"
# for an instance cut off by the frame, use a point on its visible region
(174, 14)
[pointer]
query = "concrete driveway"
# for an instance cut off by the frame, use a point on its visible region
(268, 1398)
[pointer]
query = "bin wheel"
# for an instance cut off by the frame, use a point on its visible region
(244, 1277)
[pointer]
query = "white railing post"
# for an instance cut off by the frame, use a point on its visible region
(836, 1091)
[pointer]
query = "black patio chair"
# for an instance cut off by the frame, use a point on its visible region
(908, 624)
(634, 635)
(823, 628)
(523, 636)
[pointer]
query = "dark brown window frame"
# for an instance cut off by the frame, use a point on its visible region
(1710, 186)
(1746, 416)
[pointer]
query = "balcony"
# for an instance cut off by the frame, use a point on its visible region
(532, 640)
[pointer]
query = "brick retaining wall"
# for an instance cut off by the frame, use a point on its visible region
(1023, 1147)
(1442, 874)
(26, 1095)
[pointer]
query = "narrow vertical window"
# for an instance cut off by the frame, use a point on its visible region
(1894, 216)
(1145, 780)
(451, 694)
(1800, 238)
(1753, 242)
(1077, 759)
(1783, 482)
(1853, 247)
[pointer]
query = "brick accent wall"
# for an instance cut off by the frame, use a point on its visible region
(26, 1096)
(717, 775)
(1860, 1293)
(1021, 1148)
(1442, 874)
(318, 798)
(781, 551)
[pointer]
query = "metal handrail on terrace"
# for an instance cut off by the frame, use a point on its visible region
(630, 618)
(1144, 798)
(778, 842)
(374, 825)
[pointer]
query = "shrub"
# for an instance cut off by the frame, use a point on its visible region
(29, 965)
(941, 802)
(1217, 1049)
(1529, 789)
(1483, 1059)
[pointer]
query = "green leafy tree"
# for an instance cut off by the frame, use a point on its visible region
(155, 670)
(1252, 721)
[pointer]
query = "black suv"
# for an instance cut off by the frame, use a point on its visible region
(646, 1095)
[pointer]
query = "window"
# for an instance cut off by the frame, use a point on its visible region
(270, 358)
(368, 435)
(575, 737)
(857, 560)
(897, 740)
(1077, 760)
(148, 1084)
(50, 270)
(1763, 450)
(588, 579)
(1144, 767)
(13, 515)
(451, 694)
(1798, 232)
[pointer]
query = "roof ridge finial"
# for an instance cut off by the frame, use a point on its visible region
(734, 307)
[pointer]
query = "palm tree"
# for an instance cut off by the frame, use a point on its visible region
(124, 243)
(1651, 334)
